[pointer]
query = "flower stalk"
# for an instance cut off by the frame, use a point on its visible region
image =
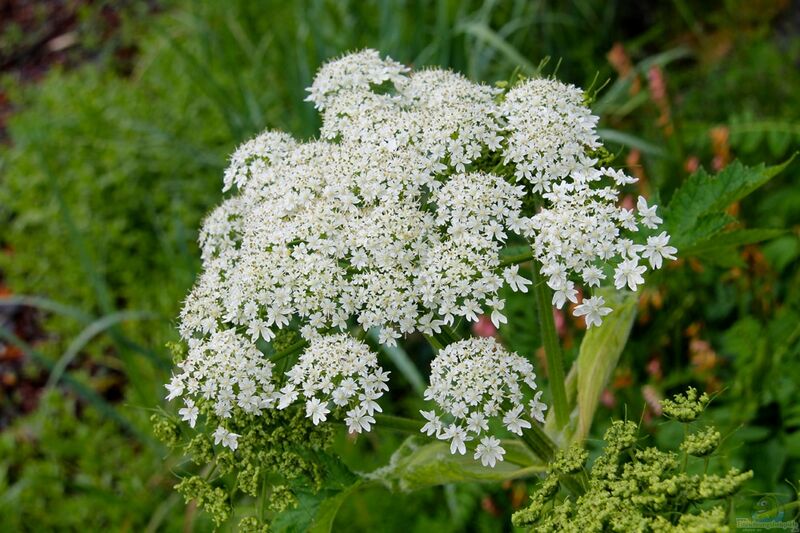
(552, 347)
(399, 423)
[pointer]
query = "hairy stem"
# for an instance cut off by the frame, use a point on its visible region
(552, 347)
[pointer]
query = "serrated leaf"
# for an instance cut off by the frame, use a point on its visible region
(316, 511)
(696, 209)
(705, 227)
(597, 358)
(733, 239)
(300, 518)
(420, 463)
(328, 509)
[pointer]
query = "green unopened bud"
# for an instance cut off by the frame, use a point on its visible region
(621, 436)
(685, 407)
(177, 350)
(200, 449)
(251, 524)
(701, 444)
(712, 487)
(282, 498)
(218, 506)
(248, 480)
(165, 430)
(226, 461)
(569, 461)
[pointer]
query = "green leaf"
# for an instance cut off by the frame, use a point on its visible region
(733, 238)
(316, 511)
(696, 211)
(597, 358)
(631, 141)
(420, 463)
(484, 33)
(328, 509)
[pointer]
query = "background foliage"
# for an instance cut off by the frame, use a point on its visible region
(115, 153)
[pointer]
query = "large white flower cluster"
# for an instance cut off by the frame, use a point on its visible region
(395, 219)
(474, 382)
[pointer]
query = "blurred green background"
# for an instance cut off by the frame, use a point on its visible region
(116, 120)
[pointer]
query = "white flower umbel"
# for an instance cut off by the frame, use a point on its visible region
(227, 370)
(474, 382)
(551, 136)
(337, 371)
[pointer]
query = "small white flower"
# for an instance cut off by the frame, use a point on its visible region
(358, 420)
(388, 336)
(189, 413)
(287, 395)
(537, 408)
(592, 276)
(592, 308)
(340, 397)
(226, 438)
(657, 249)
(629, 273)
(433, 426)
(489, 451)
(565, 291)
(514, 423)
(457, 437)
(515, 280)
(476, 422)
(175, 388)
(648, 214)
(317, 410)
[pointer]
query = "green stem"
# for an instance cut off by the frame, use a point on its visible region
(398, 423)
(552, 347)
(539, 443)
(292, 349)
(451, 334)
(516, 259)
(434, 342)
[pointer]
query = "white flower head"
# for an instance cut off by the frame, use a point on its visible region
(473, 382)
(337, 371)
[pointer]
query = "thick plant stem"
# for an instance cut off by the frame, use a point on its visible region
(539, 443)
(552, 347)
